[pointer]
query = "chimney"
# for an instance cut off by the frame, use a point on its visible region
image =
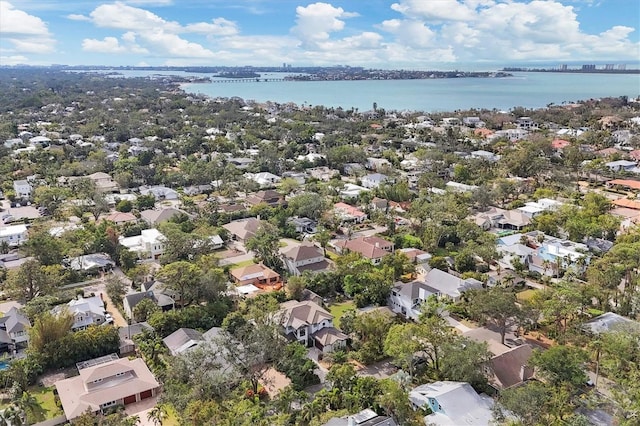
(526, 372)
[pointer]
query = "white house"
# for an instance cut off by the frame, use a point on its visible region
(373, 180)
(14, 329)
(263, 178)
(149, 244)
(86, 312)
(450, 286)
(452, 403)
(160, 192)
(14, 235)
(406, 299)
(22, 188)
(621, 166)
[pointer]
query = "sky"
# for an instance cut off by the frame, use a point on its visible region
(392, 34)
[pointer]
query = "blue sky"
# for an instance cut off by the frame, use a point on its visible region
(416, 34)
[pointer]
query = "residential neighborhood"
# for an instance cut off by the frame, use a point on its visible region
(178, 259)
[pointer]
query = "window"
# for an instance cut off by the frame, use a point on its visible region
(97, 381)
(108, 404)
(122, 373)
(302, 332)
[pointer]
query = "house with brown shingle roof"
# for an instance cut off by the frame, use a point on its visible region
(511, 368)
(311, 325)
(106, 382)
(121, 217)
(305, 257)
(242, 229)
(269, 197)
(372, 248)
(258, 275)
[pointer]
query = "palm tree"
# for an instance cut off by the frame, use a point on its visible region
(14, 416)
(29, 406)
(158, 414)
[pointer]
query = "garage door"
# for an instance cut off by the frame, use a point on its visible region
(146, 394)
(129, 399)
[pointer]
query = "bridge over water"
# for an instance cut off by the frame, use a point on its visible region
(247, 80)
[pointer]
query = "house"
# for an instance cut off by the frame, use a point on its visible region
(406, 299)
(305, 257)
(372, 248)
(624, 183)
(460, 187)
(126, 334)
(14, 235)
(324, 174)
(526, 123)
(91, 263)
(450, 286)
(106, 382)
(511, 368)
(621, 166)
(473, 122)
(269, 197)
(14, 331)
(351, 191)
(22, 188)
(559, 144)
(373, 180)
(379, 204)
(419, 258)
(157, 293)
(263, 178)
(120, 218)
(257, 275)
(86, 312)
(452, 404)
(197, 189)
(242, 229)
(366, 417)
(303, 225)
(149, 244)
(182, 340)
(378, 164)
(502, 219)
(154, 217)
(305, 321)
(352, 168)
(347, 213)
(609, 322)
(160, 192)
(485, 155)
(534, 208)
(102, 181)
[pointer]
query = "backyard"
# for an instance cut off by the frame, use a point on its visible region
(338, 310)
(46, 400)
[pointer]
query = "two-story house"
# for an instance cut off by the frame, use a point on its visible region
(311, 325)
(14, 235)
(305, 257)
(106, 382)
(242, 229)
(373, 180)
(269, 197)
(148, 245)
(152, 290)
(14, 330)
(22, 188)
(347, 213)
(446, 285)
(86, 312)
(406, 299)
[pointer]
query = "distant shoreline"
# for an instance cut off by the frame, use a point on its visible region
(574, 70)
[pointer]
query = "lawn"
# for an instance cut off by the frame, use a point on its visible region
(45, 398)
(526, 295)
(243, 263)
(338, 310)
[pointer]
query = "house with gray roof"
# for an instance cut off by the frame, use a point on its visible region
(609, 322)
(366, 417)
(450, 286)
(153, 291)
(452, 404)
(14, 330)
(406, 299)
(182, 340)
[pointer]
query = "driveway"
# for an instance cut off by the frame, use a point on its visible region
(379, 370)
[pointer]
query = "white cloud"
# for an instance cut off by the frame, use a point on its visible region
(316, 21)
(503, 30)
(27, 33)
(112, 45)
(13, 60)
(218, 27)
(150, 2)
(440, 10)
(77, 17)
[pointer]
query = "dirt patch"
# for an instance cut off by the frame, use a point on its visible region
(225, 254)
(50, 379)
